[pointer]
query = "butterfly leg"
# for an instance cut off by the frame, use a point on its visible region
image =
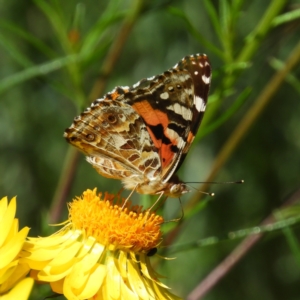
(131, 193)
(182, 214)
(157, 201)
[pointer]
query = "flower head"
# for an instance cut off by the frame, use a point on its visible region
(12, 272)
(101, 252)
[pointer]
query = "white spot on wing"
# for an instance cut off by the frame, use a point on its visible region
(173, 135)
(181, 110)
(136, 85)
(205, 79)
(200, 104)
(164, 95)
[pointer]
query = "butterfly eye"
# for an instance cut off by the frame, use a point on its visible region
(175, 188)
(111, 119)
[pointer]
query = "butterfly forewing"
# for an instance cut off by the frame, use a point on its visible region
(141, 134)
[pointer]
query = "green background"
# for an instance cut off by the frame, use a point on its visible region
(46, 79)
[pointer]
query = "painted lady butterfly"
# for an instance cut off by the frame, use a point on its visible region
(141, 134)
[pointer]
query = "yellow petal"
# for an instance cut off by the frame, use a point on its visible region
(123, 256)
(37, 259)
(13, 247)
(66, 237)
(127, 293)
(93, 282)
(66, 255)
(87, 275)
(113, 280)
(7, 218)
(3, 207)
(51, 274)
(7, 271)
(57, 286)
(21, 291)
(136, 280)
(91, 259)
(88, 245)
(13, 275)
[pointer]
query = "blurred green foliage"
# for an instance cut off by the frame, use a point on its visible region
(57, 55)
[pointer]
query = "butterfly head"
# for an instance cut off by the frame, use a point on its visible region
(175, 188)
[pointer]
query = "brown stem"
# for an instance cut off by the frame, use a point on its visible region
(229, 262)
(64, 185)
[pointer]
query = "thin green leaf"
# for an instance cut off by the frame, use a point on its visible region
(290, 78)
(97, 32)
(98, 53)
(288, 232)
(183, 247)
(57, 22)
(286, 17)
(293, 243)
(178, 13)
(236, 5)
(224, 17)
(14, 52)
(236, 10)
(79, 16)
(39, 70)
(214, 18)
(27, 36)
(253, 40)
(227, 115)
(225, 20)
(243, 233)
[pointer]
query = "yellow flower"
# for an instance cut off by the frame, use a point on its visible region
(12, 273)
(101, 252)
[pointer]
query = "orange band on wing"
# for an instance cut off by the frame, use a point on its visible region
(151, 116)
(155, 117)
(190, 137)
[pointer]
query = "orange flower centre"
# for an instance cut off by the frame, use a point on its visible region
(128, 228)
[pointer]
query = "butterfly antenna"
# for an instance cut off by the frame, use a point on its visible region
(201, 192)
(216, 182)
(212, 182)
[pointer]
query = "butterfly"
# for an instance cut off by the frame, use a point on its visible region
(142, 134)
